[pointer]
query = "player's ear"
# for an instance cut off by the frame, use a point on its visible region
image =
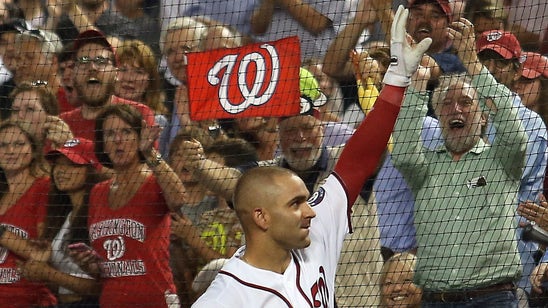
(260, 217)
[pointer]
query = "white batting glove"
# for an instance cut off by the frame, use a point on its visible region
(404, 58)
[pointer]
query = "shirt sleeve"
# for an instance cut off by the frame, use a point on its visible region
(366, 147)
(511, 142)
(408, 156)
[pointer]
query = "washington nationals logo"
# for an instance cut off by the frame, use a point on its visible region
(317, 197)
(251, 94)
(115, 248)
(495, 36)
(15, 230)
(320, 291)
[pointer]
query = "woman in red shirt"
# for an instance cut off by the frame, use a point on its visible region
(24, 187)
(129, 215)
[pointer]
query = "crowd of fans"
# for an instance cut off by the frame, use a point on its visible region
(112, 195)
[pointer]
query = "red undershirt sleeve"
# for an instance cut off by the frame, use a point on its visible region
(363, 151)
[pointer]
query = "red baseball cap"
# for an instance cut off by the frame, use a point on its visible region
(444, 5)
(503, 42)
(78, 150)
(535, 65)
(94, 36)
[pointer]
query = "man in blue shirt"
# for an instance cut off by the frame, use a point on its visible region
(501, 53)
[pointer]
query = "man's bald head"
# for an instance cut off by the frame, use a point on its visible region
(258, 186)
(271, 203)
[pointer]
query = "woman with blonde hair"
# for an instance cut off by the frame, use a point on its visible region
(24, 187)
(138, 77)
(397, 287)
(129, 221)
(36, 109)
(138, 80)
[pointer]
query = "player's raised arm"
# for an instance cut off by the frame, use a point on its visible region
(366, 146)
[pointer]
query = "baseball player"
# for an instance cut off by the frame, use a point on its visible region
(293, 240)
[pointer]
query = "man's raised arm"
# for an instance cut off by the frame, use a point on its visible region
(366, 146)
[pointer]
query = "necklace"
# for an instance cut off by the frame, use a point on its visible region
(114, 185)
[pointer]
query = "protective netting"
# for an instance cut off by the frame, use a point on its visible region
(125, 126)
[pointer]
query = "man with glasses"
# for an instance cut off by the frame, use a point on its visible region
(36, 54)
(465, 191)
(37, 62)
(94, 79)
(182, 35)
(500, 52)
(8, 32)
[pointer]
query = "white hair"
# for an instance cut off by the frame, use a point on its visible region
(50, 42)
(200, 29)
(445, 82)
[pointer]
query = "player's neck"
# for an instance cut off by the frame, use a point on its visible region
(271, 260)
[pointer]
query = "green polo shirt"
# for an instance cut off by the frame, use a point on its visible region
(466, 232)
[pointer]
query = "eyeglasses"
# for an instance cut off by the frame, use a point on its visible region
(462, 102)
(18, 25)
(36, 33)
(39, 83)
(304, 128)
(183, 48)
(100, 63)
(500, 64)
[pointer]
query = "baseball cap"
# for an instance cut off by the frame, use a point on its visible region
(443, 4)
(311, 96)
(47, 38)
(535, 65)
(503, 42)
(94, 36)
(78, 150)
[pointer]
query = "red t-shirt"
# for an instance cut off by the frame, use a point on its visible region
(544, 42)
(22, 219)
(64, 105)
(134, 243)
(84, 128)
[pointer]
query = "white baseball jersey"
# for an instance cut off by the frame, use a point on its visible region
(310, 277)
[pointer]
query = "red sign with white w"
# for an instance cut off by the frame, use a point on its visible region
(257, 80)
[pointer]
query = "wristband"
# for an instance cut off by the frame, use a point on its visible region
(155, 162)
(394, 79)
